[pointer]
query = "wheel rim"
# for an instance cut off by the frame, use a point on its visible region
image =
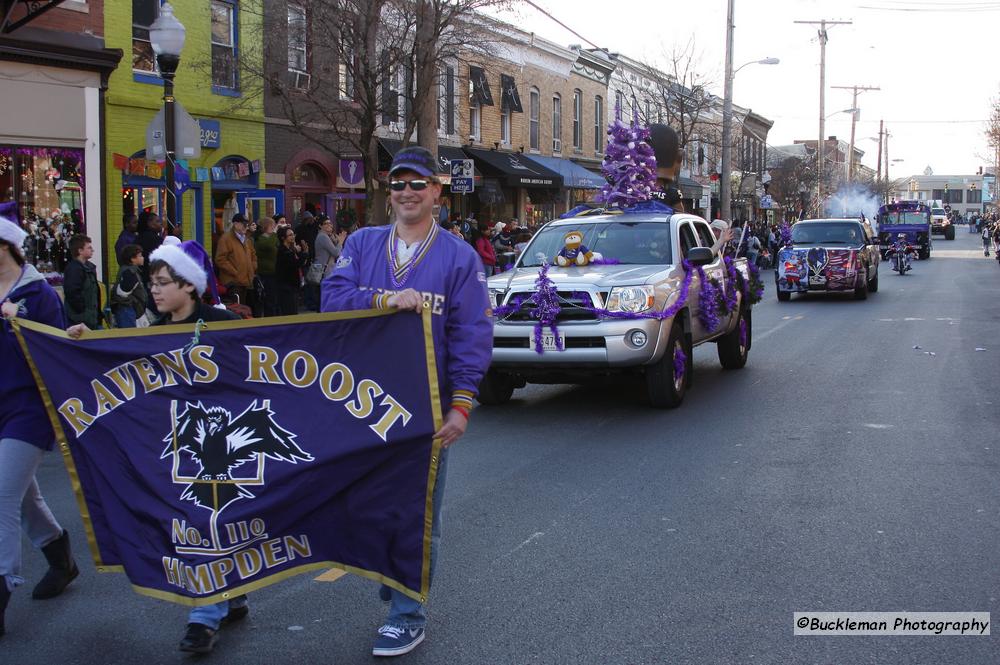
(679, 376)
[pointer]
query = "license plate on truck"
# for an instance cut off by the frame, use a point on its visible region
(549, 341)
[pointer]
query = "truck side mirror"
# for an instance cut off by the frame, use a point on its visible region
(700, 256)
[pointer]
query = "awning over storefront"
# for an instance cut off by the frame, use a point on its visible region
(690, 189)
(389, 148)
(490, 193)
(514, 169)
(574, 176)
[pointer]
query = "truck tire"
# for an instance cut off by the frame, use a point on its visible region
(924, 254)
(861, 292)
(784, 296)
(733, 354)
(665, 388)
(495, 389)
(949, 233)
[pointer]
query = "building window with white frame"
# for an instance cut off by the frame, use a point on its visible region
(619, 102)
(533, 113)
(556, 123)
(577, 119)
(224, 45)
(505, 127)
(297, 60)
(598, 124)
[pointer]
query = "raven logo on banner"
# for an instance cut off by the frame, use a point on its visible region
(260, 450)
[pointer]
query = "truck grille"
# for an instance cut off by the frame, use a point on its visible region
(572, 307)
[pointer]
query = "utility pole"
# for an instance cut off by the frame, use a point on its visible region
(823, 38)
(725, 184)
(878, 166)
(854, 120)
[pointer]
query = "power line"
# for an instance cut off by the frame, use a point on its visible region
(561, 24)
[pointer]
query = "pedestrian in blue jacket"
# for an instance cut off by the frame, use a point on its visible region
(406, 266)
(25, 429)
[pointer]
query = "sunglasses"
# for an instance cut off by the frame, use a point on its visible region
(415, 185)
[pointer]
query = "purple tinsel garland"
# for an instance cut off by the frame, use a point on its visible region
(756, 286)
(708, 302)
(604, 262)
(743, 332)
(680, 363)
(786, 234)
(629, 164)
(547, 308)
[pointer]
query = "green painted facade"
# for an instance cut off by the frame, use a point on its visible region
(133, 99)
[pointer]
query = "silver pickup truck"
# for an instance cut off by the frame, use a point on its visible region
(610, 315)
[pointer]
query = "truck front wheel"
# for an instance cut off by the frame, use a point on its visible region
(495, 389)
(668, 379)
(734, 346)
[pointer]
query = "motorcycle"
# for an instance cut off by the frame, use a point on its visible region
(900, 255)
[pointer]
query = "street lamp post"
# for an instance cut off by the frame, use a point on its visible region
(166, 35)
(725, 186)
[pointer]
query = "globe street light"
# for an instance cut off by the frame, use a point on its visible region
(167, 38)
(725, 186)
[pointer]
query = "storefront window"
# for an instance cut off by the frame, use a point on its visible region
(45, 182)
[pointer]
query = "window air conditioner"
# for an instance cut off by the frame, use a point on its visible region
(556, 145)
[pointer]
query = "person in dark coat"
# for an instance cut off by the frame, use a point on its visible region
(83, 300)
(128, 236)
(25, 429)
(291, 260)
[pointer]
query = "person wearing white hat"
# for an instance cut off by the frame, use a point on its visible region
(723, 234)
(25, 429)
(178, 276)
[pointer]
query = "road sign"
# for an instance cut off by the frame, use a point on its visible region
(463, 176)
(766, 201)
(187, 136)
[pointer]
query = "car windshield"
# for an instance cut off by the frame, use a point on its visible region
(837, 233)
(894, 218)
(632, 243)
(938, 211)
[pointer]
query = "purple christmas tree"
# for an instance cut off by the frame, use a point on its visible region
(629, 164)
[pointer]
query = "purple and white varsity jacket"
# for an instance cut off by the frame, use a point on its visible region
(449, 275)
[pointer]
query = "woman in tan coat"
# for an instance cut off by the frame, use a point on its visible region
(236, 259)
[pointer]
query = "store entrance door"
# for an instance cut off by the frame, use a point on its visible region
(258, 203)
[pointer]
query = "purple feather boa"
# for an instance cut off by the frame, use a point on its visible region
(708, 302)
(680, 363)
(743, 332)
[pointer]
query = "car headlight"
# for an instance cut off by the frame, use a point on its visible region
(633, 299)
(496, 297)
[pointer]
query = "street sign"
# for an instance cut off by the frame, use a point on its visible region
(766, 201)
(463, 176)
(187, 136)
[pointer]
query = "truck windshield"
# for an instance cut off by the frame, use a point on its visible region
(894, 218)
(845, 233)
(938, 211)
(630, 243)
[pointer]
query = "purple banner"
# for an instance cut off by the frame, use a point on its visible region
(209, 464)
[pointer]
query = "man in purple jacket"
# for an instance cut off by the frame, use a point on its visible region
(407, 266)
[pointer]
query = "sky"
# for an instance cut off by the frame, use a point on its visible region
(930, 59)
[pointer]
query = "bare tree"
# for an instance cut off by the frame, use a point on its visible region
(334, 71)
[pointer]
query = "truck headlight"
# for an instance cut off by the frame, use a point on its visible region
(633, 299)
(496, 297)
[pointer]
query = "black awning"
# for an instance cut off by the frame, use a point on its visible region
(509, 99)
(690, 188)
(480, 86)
(514, 169)
(490, 192)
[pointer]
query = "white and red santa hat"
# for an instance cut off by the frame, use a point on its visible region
(13, 233)
(187, 260)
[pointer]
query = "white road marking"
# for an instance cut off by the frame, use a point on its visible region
(878, 426)
(534, 536)
(758, 337)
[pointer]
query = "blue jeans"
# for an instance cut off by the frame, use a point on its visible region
(212, 615)
(124, 316)
(405, 612)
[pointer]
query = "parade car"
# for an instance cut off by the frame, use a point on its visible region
(633, 311)
(829, 256)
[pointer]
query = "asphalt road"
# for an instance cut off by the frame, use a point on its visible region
(841, 470)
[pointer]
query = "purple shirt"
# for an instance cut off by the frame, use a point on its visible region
(22, 413)
(450, 277)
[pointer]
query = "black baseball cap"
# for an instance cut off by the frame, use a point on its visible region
(416, 159)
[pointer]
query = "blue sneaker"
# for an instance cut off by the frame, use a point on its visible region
(395, 641)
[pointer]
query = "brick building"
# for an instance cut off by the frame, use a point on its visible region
(54, 71)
